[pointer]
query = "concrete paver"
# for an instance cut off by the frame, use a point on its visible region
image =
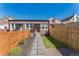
(37, 48)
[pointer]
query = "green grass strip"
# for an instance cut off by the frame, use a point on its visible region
(50, 42)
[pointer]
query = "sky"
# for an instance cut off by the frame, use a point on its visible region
(38, 11)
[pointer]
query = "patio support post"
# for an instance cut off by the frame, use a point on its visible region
(11, 26)
(14, 26)
(29, 26)
(24, 25)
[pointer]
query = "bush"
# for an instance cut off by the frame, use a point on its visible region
(15, 51)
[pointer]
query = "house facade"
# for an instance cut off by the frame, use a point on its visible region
(32, 25)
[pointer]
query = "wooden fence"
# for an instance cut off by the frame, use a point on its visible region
(67, 34)
(9, 40)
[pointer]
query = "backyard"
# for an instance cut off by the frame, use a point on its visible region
(23, 43)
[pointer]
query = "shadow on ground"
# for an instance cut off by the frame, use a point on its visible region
(64, 50)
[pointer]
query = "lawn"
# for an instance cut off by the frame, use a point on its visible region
(50, 42)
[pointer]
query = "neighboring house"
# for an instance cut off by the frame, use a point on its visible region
(54, 21)
(70, 19)
(73, 18)
(3, 24)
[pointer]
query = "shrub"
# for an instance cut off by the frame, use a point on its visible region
(15, 51)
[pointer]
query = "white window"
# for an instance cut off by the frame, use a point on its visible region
(44, 26)
(2, 26)
(28, 25)
(12, 26)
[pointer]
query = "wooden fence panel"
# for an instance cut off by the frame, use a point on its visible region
(9, 40)
(4, 43)
(68, 34)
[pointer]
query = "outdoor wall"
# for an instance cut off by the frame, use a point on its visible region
(9, 40)
(67, 34)
(44, 31)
